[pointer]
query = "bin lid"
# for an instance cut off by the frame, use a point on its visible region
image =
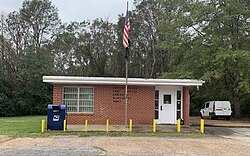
(56, 106)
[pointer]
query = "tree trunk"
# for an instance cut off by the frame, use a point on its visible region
(236, 106)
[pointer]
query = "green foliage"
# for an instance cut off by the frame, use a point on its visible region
(25, 59)
(206, 40)
(245, 106)
(217, 51)
(6, 106)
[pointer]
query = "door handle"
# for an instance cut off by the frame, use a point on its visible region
(161, 108)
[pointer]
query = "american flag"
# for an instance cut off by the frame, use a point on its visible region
(126, 30)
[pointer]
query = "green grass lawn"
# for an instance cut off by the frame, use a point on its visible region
(21, 126)
(30, 126)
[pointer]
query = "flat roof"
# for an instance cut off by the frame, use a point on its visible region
(121, 81)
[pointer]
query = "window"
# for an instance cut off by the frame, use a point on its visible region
(79, 99)
(156, 104)
(167, 99)
(178, 95)
(207, 104)
(178, 102)
(178, 105)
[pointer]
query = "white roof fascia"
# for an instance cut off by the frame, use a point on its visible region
(121, 81)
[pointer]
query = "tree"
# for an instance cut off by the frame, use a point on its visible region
(144, 38)
(219, 35)
(86, 48)
(169, 39)
(41, 19)
(64, 47)
(25, 58)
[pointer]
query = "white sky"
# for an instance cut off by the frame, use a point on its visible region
(78, 10)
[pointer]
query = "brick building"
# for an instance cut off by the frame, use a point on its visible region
(101, 98)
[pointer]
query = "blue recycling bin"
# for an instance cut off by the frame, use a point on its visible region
(56, 116)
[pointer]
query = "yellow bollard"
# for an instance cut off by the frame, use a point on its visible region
(64, 126)
(154, 125)
(86, 125)
(202, 126)
(43, 126)
(107, 126)
(130, 125)
(178, 125)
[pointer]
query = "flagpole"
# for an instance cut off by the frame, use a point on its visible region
(126, 93)
(126, 45)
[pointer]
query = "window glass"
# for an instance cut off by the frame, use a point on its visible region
(157, 94)
(71, 105)
(86, 96)
(79, 99)
(156, 114)
(179, 105)
(86, 90)
(167, 99)
(178, 95)
(178, 115)
(207, 105)
(70, 96)
(70, 90)
(156, 104)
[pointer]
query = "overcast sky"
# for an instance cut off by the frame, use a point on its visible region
(78, 10)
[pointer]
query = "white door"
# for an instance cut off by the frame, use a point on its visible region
(166, 107)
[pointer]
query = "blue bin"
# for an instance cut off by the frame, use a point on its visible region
(56, 116)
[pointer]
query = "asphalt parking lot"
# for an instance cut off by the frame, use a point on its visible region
(232, 129)
(233, 123)
(232, 133)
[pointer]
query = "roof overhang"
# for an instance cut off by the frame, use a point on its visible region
(121, 81)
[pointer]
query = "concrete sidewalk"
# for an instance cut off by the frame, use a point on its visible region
(91, 127)
(163, 128)
(136, 128)
(194, 121)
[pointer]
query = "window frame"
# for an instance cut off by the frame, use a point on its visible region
(78, 98)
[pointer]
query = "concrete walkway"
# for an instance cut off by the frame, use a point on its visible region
(92, 127)
(194, 123)
(136, 128)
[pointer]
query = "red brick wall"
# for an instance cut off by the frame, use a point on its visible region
(186, 105)
(109, 103)
(57, 94)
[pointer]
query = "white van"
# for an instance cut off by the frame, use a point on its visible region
(215, 109)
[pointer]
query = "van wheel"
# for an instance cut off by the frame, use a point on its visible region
(211, 117)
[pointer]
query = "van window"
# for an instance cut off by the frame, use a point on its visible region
(207, 104)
